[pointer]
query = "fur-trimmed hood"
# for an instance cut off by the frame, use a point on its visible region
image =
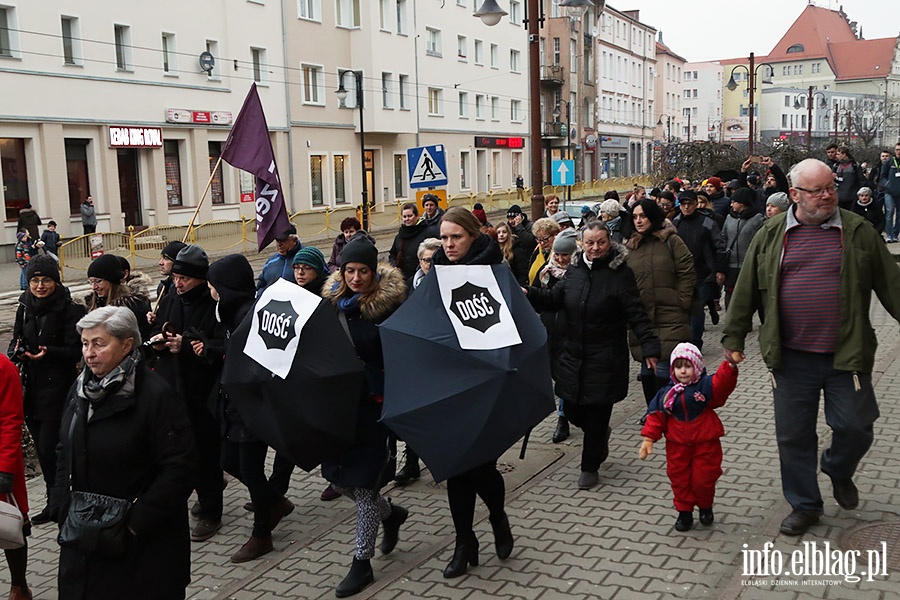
(619, 253)
(389, 294)
(140, 282)
(661, 235)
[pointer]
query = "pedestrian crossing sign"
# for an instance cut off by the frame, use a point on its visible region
(427, 166)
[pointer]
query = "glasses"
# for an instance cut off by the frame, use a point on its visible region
(823, 191)
(426, 260)
(545, 239)
(38, 281)
(665, 206)
(94, 282)
(304, 268)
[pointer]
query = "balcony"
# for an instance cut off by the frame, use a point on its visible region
(553, 129)
(553, 74)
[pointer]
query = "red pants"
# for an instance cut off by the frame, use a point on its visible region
(693, 471)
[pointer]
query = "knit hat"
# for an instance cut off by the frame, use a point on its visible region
(106, 266)
(312, 257)
(743, 195)
(780, 201)
(562, 217)
(20, 236)
(691, 353)
(715, 182)
(565, 242)
(191, 261)
(585, 210)
(753, 178)
(480, 215)
(734, 184)
(513, 211)
(232, 273)
(362, 251)
(172, 249)
(610, 207)
(126, 266)
(42, 266)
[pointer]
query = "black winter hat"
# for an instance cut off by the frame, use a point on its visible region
(172, 249)
(108, 267)
(362, 251)
(126, 266)
(191, 261)
(42, 266)
(743, 195)
(232, 275)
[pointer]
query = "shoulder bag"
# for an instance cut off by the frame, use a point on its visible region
(11, 523)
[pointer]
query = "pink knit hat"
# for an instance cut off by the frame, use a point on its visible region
(691, 353)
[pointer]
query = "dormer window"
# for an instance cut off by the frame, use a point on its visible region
(795, 48)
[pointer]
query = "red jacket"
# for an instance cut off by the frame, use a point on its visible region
(11, 421)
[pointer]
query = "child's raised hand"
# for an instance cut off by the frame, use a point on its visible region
(646, 448)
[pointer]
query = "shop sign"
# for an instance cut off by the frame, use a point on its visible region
(135, 137)
(202, 117)
(613, 141)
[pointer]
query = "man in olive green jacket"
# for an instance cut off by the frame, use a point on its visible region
(813, 270)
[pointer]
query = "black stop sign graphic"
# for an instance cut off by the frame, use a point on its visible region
(475, 306)
(276, 324)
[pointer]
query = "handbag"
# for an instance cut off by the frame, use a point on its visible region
(11, 523)
(95, 523)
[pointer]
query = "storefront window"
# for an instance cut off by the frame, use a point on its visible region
(340, 193)
(15, 176)
(315, 179)
(173, 173)
(77, 173)
(216, 190)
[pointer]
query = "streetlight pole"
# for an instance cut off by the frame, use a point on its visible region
(810, 96)
(342, 95)
(751, 77)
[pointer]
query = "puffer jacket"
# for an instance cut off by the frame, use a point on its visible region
(738, 232)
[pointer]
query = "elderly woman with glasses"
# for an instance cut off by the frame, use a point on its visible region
(544, 230)
(125, 434)
(106, 277)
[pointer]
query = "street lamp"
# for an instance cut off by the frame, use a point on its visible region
(490, 13)
(342, 95)
(751, 76)
(556, 115)
(668, 125)
(810, 96)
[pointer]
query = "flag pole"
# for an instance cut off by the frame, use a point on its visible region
(199, 204)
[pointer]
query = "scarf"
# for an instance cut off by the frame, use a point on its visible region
(121, 378)
(689, 352)
(552, 268)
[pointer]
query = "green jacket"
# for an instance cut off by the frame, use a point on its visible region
(866, 266)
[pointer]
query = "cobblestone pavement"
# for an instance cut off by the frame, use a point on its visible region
(616, 541)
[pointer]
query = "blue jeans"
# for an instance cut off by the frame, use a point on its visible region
(891, 217)
(23, 281)
(849, 412)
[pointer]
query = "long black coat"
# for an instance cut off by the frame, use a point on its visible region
(600, 304)
(404, 253)
(48, 322)
(137, 446)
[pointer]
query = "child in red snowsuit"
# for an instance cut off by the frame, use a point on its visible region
(683, 412)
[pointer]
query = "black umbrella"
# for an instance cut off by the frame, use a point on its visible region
(461, 408)
(311, 414)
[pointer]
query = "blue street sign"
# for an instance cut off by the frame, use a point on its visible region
(563, 172)
(427, 166)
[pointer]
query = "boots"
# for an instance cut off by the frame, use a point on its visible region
(562, 430)
(359, 577)
(279, 510)
(19, 592)
(465, 553)
(253, 549)
(410, 471)
(503, 539)
(391, 527)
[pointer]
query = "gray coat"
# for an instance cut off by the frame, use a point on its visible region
(738, 232)
(88, 216)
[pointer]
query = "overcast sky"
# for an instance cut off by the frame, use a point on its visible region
(701, 30)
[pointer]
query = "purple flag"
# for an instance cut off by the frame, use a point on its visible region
(249, 148)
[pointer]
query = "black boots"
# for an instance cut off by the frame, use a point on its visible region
(685, 521)
(503, 539)
(465, 553)
(359, 577)
(410, 471)
(562, 430)
(391, 527)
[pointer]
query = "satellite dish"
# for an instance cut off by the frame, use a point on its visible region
(207, 62)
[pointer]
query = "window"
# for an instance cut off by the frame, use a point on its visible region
(434, 101)
(310, 9)
(695, 92)
(556, 56)
(464, 105)
(787, 101)
(495, 56)
(8, 35)
(479, 106)
(573, 55)
(387, 92)
(462, 47)
(404, 92)
(15, 176)
(432, 41)
(173, 172)
(401, 17)
(687, 93)
(784, 121)
(314, 85)
(515, 62)
(384, 15)
(495, 169)
(71, 40)
(260, 71)
(515, 12)
(216, 189)
(516, 163)
(795, 49)
(76, 172)
(479, 52)
(169, 54)
(816, 68)
(123, 47)
(464, 169)
(347, 13)
(495, 108)
(515, 110)
(340, 184)
(315, 179)
(212, 47)
(399, 175)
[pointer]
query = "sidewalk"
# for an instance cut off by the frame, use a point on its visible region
(613, 542)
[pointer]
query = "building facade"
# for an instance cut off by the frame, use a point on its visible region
(702, 111)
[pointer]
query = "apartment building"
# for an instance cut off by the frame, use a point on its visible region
(702, 97)
(670, 96)
(111, 100)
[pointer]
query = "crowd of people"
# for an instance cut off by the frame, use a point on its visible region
(123, 399)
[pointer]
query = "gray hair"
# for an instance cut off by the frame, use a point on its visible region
(803, 167)
(428, 244)
(864, 190)
(118, 321)
(596, 226)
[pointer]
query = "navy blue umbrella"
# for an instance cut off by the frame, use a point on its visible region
(461, 408)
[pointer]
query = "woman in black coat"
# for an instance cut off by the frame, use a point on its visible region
(46, 347)
(366, 293)
(413, 231)
(600, 299)
(464, 244)
(126, 434)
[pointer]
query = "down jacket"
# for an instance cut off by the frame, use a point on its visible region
(599, 302)
(664, 269)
